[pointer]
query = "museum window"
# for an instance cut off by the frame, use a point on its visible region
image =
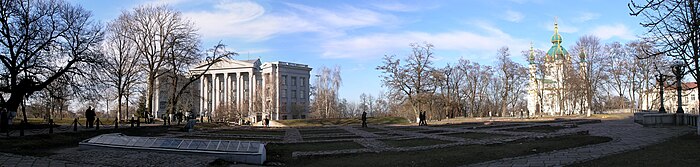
(302, 81)
(284, 80)
(294, 81)
(294, 94)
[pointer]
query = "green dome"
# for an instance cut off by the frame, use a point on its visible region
(556, 51)
(556, 38)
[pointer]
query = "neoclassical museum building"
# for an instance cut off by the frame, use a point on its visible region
(248, 90)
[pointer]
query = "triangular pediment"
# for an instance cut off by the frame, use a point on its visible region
(227, 63)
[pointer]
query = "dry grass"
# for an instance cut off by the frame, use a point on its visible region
(679, 151)
(42, 145)
(453, 156)
(343, 121)
(414, 142)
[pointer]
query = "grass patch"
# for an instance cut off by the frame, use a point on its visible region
(253, 132)
(414, 142)
(370, 129)
(331, 137)
(538, 129)
(206, 125)
(453, 156)
(343, 121)
(42, 145)
(612, 116)
(679, 151)
(496, 125)
(432, 131)
(387, 134)
(466, 124)
(321, 131)
(408, 129)
(59, 121)
(283, 152)
(474, 135)
(230, 138)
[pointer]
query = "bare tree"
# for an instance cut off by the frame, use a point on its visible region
(367, 103)
(411, 79)
(41, 41)
(159, 34)
(507, 69)
(121, 61)
(592, 48)
(325, 101)
(674, 26)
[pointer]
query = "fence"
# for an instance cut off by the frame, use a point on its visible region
(23, 129)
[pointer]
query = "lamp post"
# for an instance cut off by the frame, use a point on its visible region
(661, 80)
(677, 68)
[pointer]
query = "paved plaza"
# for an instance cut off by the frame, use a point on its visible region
(625, 134)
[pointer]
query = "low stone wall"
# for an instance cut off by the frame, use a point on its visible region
(658, 119)
(639, 116)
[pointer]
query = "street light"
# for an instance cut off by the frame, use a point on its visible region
(661, 80)
(677, 68)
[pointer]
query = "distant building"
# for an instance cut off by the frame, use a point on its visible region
(551, 93)
(188, 101)
(689, 95)
(251, 90)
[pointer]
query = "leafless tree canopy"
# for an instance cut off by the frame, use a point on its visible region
(674, 28)
(325, 102)
(41, 42)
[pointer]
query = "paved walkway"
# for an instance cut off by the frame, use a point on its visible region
(10, 160)
(626, 134)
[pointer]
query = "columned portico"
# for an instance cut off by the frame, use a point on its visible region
(248, 88)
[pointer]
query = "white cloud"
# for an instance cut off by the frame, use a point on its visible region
(163, 2)
(245, 20)
(617, 30)
(376, 45)
(251, 21)
(586, 16)
(346, 17)
(513, 16)
(252, 51)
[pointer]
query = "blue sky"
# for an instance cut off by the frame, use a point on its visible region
(357, 34)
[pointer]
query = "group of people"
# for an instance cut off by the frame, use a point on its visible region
(6, 118)
(90, 117)
(266, 122)
(422, 120)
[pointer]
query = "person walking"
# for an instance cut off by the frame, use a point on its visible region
(364, 119)
(4, 125)
(90, 117)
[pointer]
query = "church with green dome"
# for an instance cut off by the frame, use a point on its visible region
(548, 90)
